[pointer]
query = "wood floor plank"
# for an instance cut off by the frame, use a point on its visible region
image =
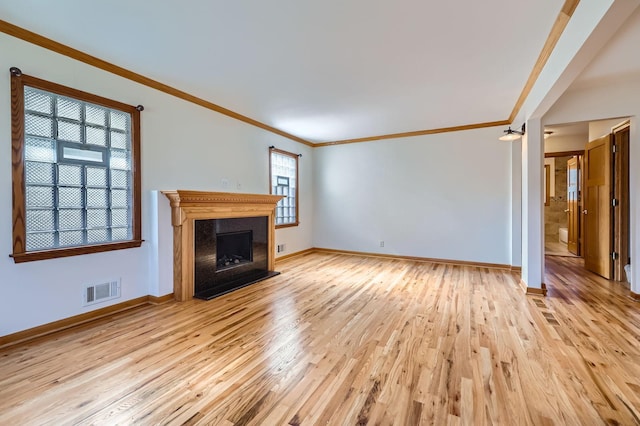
(340, 340)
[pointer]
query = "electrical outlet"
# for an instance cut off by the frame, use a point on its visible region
(381, 243)
(225, 183)
(280, 248)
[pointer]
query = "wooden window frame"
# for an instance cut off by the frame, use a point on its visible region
(20, 254)
(295, 156)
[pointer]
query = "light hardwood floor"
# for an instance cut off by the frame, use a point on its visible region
(346, 340)
(555, 248)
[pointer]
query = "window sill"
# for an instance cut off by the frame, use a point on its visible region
(287, 225)
(73, 251)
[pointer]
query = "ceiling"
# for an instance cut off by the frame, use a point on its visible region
(321, 70)
(569, 129)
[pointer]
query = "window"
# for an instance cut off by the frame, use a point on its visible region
(76, 171)
(284, 181)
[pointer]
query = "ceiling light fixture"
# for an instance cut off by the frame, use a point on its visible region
(512, 135)
(547, 134)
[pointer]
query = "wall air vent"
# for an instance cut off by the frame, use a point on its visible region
(96, 293)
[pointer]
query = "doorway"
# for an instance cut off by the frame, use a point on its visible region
(587, 213)
(561, 210)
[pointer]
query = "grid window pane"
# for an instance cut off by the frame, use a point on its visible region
(36, 125)
(95, 115)
(120, 160)
(119, 217)
(35, 100)
(118, 140)
(96, 176)
(69, 175)
(119, 120)
(119, 179)
(69, 131)
(70, 238)
(70, 197)
(97, 218)
(40, 220)
(96, 136)
(97, 197)
(70, 219)
(40, 241)
(69, 108)
(120, 233)
(40, 150)
(38, 173)
(39, 196)
(283, 175)
(97, 235)
(82, 196)
(119, 198)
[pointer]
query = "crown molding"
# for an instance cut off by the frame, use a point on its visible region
(416, 133)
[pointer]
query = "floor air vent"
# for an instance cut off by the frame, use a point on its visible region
(96, 293)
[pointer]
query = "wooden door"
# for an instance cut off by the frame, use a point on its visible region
(621, 195)
(573, 207)
(597, 207)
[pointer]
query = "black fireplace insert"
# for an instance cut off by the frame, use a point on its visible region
(229, 254)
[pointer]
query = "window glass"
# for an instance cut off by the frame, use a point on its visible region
(284, 176)
(75, 173)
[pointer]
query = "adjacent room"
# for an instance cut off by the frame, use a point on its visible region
(307, 213)
(573, 186)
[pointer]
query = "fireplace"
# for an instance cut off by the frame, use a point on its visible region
(233, 249)
(211, 235)
(229, 254)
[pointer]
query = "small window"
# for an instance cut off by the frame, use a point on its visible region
(284, 181)
(76, 168)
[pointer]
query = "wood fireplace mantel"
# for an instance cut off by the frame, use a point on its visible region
(189, 206)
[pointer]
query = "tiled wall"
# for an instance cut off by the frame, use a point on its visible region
(554, 214)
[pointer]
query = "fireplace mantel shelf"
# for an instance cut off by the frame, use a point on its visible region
(189, 206)
(182, 199)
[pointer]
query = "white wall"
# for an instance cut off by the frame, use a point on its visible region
(516, 203)
(445, 196)
(598, 129)
(565, 143)
(183, 147)
(532, 205)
